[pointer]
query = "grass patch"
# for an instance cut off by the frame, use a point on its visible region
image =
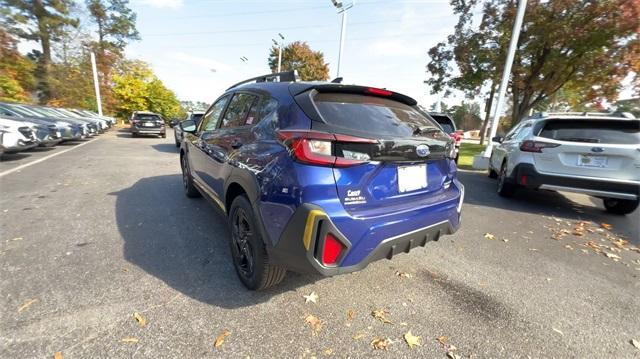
(467, 151)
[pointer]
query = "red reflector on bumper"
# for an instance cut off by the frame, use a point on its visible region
(331, 250)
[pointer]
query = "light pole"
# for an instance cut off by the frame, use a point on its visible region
(279, 45)
(482, 161)
(95, 83)
(342, 9)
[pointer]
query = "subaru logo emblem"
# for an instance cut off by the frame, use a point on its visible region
(597, 149)
(422, 150)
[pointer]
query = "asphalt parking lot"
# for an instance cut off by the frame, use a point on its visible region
(98, 233)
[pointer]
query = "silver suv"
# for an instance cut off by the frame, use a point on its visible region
(597, 154)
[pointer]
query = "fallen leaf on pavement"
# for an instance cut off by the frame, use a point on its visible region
(453, 355)
(606, 225)
(612, 255)
(402, 274)
(381, 315)
(314, 322)
(57, 355)
(220, 339)
(359, 335)
(17, 239)
(351, 314)
(379, 343)
(557, 331)
(533, 249)
(442, 340)
(140, 319)
(313, 297)
(129, 340)
(635, 343)
(26, 304)
(489, 236)
(411, 340)
(568, 247)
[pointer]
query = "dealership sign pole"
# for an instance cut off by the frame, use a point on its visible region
(95, 83)
(482, 161)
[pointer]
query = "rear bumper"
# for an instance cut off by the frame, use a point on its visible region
(300, 246)
(148, 131)
(527, 176)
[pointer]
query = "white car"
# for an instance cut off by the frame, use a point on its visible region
(17, 136)
(597, 154)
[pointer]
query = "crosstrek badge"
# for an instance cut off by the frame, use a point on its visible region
(354, 197)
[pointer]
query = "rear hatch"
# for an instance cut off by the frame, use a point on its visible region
(147, 121)
(405, 152)
(602, 148)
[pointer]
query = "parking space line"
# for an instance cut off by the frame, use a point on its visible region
(2, 174)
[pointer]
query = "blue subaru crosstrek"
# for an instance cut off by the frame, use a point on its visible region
(320, 176)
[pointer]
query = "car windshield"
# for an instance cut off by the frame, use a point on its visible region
(623, 132)
(379, 117)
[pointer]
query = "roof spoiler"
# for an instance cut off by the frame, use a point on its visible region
(627, 115)
(354, 89)
(286, 76)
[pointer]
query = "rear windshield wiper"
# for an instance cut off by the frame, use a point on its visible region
(579, 139)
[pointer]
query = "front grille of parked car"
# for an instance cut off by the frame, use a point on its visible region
(27, 132)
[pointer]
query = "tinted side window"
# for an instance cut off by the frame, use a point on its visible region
(512, 132)
(238, 111)
(210, 120)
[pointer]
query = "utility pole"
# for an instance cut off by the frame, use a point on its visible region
(95, 83)
(342, 9)
(279, 44)
(482, 161)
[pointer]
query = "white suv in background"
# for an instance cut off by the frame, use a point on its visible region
(597, 154)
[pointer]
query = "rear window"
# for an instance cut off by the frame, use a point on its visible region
(148, 117)
(445, 123)
(593, 131)
(371, 115)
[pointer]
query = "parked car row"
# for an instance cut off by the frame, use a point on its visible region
(24, 126)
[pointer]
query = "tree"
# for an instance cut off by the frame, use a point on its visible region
(16, 71)
(41, 21)
(299, 56)
(466, 115)
(136, 88)
(115, 25)
(592, 45)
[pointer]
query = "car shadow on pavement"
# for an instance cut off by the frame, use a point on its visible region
(184, 243)
(8, 157)
(166, 147)
(480, 190)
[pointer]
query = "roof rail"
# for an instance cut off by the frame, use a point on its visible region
(584, 114)
(286, 76)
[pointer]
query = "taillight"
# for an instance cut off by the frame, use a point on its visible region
(317, 148)
(331, 250)
(377, 91)
(536, 146)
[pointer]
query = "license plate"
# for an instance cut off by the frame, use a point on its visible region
(592, 161)
(148, 124)
(411, 178)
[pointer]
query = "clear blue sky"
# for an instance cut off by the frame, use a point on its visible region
(386, 43)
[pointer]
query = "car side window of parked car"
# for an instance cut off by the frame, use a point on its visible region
(237, 113)
(512, 133)
(523, 132)
(212, 117)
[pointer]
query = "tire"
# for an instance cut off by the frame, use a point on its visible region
(164, 135)
(134, 135)
(620, 206)
(248, 251)
(187, 181)
(177, 144)
(505, 189)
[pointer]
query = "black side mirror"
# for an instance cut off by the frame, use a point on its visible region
(188, 126)
(498, 139)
